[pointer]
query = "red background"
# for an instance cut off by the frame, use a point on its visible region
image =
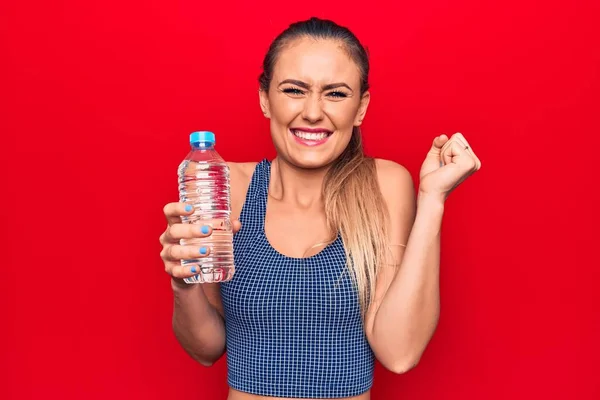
(98, 98)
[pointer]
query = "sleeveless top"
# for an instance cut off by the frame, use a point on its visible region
(293, 325)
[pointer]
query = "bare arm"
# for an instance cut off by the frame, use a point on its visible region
(198, 319)
(402, 320)
(198, 325)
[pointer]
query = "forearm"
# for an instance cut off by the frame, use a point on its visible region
(409, 311)
(198, 327)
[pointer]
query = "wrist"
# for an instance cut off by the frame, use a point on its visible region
(431, 200)
(179, 284)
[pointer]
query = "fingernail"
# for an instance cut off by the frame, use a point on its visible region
(188, 208)
(193, 270)
(205, 229)
(202, 250)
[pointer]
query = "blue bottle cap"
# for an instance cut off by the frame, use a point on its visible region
(202, 137)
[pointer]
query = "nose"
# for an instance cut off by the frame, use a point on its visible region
(313, 108)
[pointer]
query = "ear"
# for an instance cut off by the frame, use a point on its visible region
(362, 108)
(263, 98)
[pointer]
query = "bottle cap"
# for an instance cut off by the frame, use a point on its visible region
(202, 137)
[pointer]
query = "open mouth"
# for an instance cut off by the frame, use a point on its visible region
(311, 137)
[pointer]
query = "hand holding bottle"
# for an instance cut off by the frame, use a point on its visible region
(173, 252)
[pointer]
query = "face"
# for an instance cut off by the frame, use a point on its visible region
(313, 102)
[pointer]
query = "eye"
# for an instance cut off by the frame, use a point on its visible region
(337, 94)
(293, 91)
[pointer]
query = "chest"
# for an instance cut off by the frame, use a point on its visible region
(271, 291)
(294, 232)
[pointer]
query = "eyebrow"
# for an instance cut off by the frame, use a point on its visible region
(307, 86)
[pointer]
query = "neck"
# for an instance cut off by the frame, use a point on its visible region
(290, 184)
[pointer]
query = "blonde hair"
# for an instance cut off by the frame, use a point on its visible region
(355, 209)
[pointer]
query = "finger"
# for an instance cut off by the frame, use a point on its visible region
(174, 211)
(178, 252)
(457, 154)
(176, 270)
(445, 153)
(459, 136)
(436, 148)
(453, 139)
(176, 232)
(438, 143)
(236, 225)
(462, 138)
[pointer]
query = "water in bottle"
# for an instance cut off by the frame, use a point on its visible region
(204, 184)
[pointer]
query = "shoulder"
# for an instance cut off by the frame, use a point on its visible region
(395, 181)
(398, 191)
(390, 168)
(242, 170)
(240, 175)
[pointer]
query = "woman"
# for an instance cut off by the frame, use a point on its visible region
(337, 259)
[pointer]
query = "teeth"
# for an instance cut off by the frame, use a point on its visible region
(310, 136)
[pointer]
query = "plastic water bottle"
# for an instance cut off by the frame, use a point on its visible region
(204, 184)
